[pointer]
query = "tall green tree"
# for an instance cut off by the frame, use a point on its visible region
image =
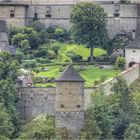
(89, 25)
(122, 107)
(6, 126)
(8, 96)
(98, 118)
(8, 67)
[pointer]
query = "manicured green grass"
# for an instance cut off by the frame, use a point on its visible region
(45, 85)
(90, 74)
(53, 71)
(78, 49)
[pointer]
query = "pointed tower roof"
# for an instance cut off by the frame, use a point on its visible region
(70, 75)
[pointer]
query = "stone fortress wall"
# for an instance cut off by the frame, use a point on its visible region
(57, 12)
(37, 100)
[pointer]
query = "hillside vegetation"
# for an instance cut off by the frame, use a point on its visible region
(67, 49)
(92, 74)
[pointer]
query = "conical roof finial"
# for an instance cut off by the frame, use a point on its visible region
(70, 75)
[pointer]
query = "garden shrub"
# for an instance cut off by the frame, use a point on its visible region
(37, 25)
(41, 53)
(103, 78)
(74, 57)
(29, 64)
(120, 63)
(96, 82)
(55, 46)
(43, 60)
(37, 80)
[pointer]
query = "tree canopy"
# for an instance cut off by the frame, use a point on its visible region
(89, 25)
(9, 117)
(114, 116)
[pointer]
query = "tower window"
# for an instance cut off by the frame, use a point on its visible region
(35, 16)
(48, 12)
(12, 11)
(116, 14)
(116, 10)
(78, 106)
(61, 106)
(3, 45)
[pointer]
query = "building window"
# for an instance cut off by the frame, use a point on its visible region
(70, 93)
(35, 14)
(78, 106)
(48, 12)
(12, 11)
(61, 106)
(3, 45)
(116, 10)
(134, 51)
(60, 93)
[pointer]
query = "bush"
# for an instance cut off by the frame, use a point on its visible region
(74, 57)
(96, 82)
(41, 53)
(59, 31)
(55, 46)
(120, 63)
(43, 61)
(37, 80)
(29, 64)
(103, 78)
(37, 25)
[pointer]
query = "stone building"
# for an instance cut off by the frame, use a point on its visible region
(4, 43)
(121, 16)
(24, 81)
(69, 101)
(132, 52)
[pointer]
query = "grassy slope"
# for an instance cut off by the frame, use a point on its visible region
(91, 74)
(78, 49)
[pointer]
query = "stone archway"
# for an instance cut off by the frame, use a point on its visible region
(131, 64)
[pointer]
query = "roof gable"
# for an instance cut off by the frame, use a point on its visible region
(70, 75)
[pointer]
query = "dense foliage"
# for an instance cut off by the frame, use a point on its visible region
(9, 118)
(36, 40)
(115, 116)
(42, 127)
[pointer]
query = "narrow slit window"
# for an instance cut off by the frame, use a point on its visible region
(12, 11)
(48, 12)
(78, 106)
(61, 106)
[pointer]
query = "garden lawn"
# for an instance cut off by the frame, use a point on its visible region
(79, 50)
(90, 74)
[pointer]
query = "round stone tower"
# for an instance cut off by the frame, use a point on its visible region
(69, 101)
